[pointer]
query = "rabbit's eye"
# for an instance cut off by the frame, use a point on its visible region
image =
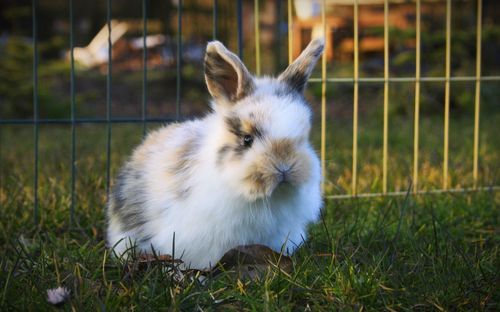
(247, 140)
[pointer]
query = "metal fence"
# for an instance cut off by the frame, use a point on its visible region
(355, 81)
(417, 80)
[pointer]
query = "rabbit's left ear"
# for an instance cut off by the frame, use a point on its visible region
(297, 73)
(228, 80)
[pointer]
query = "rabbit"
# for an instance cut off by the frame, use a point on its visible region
(244, 174)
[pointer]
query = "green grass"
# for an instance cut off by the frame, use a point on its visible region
(435, 252)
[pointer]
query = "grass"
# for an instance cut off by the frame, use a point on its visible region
(435, 252)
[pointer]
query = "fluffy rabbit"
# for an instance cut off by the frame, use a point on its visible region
(244, 174)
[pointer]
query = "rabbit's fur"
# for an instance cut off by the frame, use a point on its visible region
(244, 174)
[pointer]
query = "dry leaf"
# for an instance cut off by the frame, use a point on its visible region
(251, 261)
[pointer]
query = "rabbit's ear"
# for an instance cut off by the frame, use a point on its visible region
(227, 78)
(298, 72)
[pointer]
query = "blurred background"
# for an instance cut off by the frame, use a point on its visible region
(197, 20)
(127, 89)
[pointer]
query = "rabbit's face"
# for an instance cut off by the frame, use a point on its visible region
(265, 145)
(265, 122)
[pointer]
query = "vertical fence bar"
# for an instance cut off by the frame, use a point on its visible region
(144, 64)
(72, 99)
(179, 61)
(447, 96)
(290, 34)
(35, 107)
(417, 100)
(478, 93)
(239, 22)
(323, 100)
(355, 102)
(108, 103)
(214, 20)
(278, 42)
(1, 172)
(257, 37)
(386, 96)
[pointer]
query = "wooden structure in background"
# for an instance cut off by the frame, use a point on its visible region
(402, 16)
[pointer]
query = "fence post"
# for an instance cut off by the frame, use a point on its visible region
(478, 93)
(323, 100)
(214, 20)
(72, 100)
(355, 103)
(144, 64)
(290, 33)
(417, 100)
(257, 37)
(386, 97)
(179, 60)
(447, 96)
(108, 103)
(239, 21)
(35, 107)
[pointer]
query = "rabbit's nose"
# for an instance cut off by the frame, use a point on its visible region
(284, 174)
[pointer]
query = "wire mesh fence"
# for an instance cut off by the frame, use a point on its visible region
(386, 80)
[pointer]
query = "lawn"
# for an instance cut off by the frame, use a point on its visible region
(432, 252)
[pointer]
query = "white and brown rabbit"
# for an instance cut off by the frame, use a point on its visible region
(244, 174)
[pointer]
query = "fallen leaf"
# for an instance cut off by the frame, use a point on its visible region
(250, 261)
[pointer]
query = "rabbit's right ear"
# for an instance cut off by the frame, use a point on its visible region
(227, 78)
